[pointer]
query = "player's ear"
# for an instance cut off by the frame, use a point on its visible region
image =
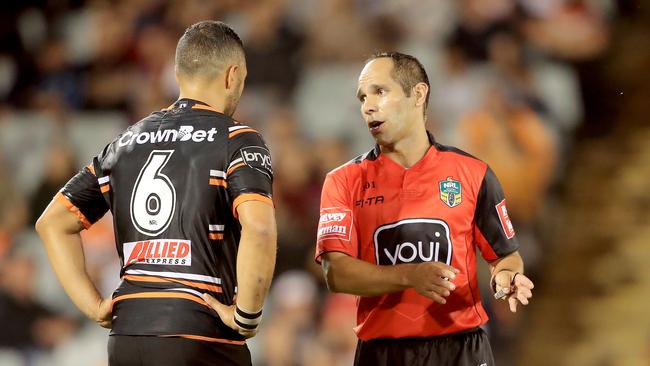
(178, 82)
(420, 90)
(231, 76)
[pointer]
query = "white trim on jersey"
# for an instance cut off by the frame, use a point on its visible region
(217, 227)
(186, 276)
(103, 180)
(193, 292)
(235, 128)
(217, 173)
(235, 162)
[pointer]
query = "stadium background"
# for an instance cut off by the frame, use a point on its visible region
(552, 94)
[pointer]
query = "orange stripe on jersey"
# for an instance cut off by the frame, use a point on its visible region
(74, 209)
(235, 133)
(206, 107)
(161, 295)
(216, 236)
(208, 339)
(91, 167)
(250, 197)
(234, 168)
(105, 188)
(218, 182)
(200, 285)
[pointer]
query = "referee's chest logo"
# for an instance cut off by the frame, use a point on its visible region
(451, 192)
(413, 241)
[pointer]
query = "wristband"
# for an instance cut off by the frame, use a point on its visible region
(247, 320)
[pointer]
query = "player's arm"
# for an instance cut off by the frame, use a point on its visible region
(495, 236)
(256, 255)
(255, 264)
(59, 229)
(347, 274)
(250, 185)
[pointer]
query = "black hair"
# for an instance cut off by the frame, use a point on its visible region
(206, 47)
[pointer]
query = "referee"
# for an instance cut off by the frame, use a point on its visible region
(400, 227)
(190, 190)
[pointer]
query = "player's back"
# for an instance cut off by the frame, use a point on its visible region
(172, 182)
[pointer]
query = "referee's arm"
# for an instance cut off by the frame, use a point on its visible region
(346, 274)
(508, 275)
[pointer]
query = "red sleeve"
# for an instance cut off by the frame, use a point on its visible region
(336, 229)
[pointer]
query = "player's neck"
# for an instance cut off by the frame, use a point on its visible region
(408, 151)
(214, 100)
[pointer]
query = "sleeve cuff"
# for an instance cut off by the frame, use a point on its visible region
(74, 209)
(324, 251)
(250, 197)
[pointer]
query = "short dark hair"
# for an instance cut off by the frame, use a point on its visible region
(206, 46)
(407, 72)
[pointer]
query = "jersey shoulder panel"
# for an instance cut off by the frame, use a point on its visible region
(457, 153)
(355, 166)
(463, 158)
(107, 158)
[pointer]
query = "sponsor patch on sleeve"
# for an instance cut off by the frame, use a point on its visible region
(506, 224)
(335, 223)
(258, 158)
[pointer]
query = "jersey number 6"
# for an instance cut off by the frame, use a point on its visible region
(154, 198)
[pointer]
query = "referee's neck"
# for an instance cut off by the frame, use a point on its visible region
(408, 151)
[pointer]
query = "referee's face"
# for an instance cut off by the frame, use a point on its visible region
(389, 114)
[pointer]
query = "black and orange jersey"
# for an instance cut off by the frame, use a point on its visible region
(173, 182)
(441, 209)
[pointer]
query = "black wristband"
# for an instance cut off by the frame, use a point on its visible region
(246, 320)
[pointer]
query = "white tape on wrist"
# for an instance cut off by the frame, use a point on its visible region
(247, 320)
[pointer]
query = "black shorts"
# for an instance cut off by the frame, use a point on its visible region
(468, 348)
(173, 351)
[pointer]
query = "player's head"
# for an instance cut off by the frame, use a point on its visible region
(210, 54)
(393, 90)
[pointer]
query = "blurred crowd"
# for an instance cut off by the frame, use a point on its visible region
(508, 84)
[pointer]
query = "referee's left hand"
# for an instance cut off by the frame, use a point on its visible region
(516, 285)
(227, 315)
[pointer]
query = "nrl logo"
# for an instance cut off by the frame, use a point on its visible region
(451, 192)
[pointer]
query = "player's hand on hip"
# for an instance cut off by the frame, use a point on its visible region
(104, 315)
(227, 315)
(517, 288)
(433, 280)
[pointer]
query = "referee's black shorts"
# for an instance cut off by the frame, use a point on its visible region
(468, 348)
(173, 351)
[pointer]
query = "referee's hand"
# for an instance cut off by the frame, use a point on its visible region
(517, 287)
(432, 279)
(227, 315)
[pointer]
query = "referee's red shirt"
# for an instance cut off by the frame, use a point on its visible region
(441, 209)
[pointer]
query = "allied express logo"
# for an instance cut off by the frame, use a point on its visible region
(173, 252)
(413, 241)
(451, 192)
